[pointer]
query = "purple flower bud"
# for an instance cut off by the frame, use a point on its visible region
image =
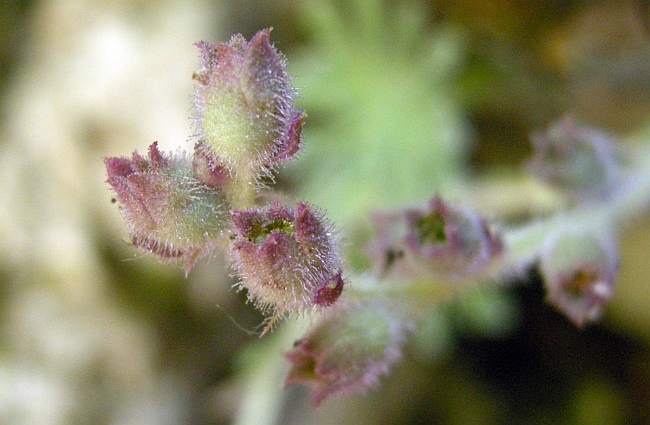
(347, 351)
(169, 212)
(576, 159)
(244, 105)
(579, 270)
(443, 241)
(287, 258)
(455, 242)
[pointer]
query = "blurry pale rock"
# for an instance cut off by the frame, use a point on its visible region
(88, 81)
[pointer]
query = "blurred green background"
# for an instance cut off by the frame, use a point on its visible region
(404, 99)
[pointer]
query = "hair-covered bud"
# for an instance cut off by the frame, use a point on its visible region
(348, 350)
(244, 108)
(169, 212)
(454, 242)
(443, 241)
(287, 258)
(578, 160)
(579, 269)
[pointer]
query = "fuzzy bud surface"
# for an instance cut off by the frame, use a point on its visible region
(243, 105)
(287, 258)
(169, 212)
(347, 351)
(442, 241)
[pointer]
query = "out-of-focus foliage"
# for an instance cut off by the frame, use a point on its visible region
(384, 129)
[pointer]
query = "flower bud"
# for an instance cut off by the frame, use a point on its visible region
(348, 350)
(442, 242)
(287, 258)
(244, 105)
(578, 160)
(453, 241)
(169, 212)
(579, 269)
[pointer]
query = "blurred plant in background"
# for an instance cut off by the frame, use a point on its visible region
(389, 117)
(419, 77)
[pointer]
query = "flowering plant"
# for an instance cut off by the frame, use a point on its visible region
(181, 208)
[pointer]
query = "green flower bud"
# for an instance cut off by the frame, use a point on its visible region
(348, 350)
(244, 108)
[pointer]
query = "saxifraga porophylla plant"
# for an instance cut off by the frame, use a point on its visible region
(181, 208)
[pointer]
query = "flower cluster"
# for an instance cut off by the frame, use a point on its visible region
(579, 259)
(182, 207)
